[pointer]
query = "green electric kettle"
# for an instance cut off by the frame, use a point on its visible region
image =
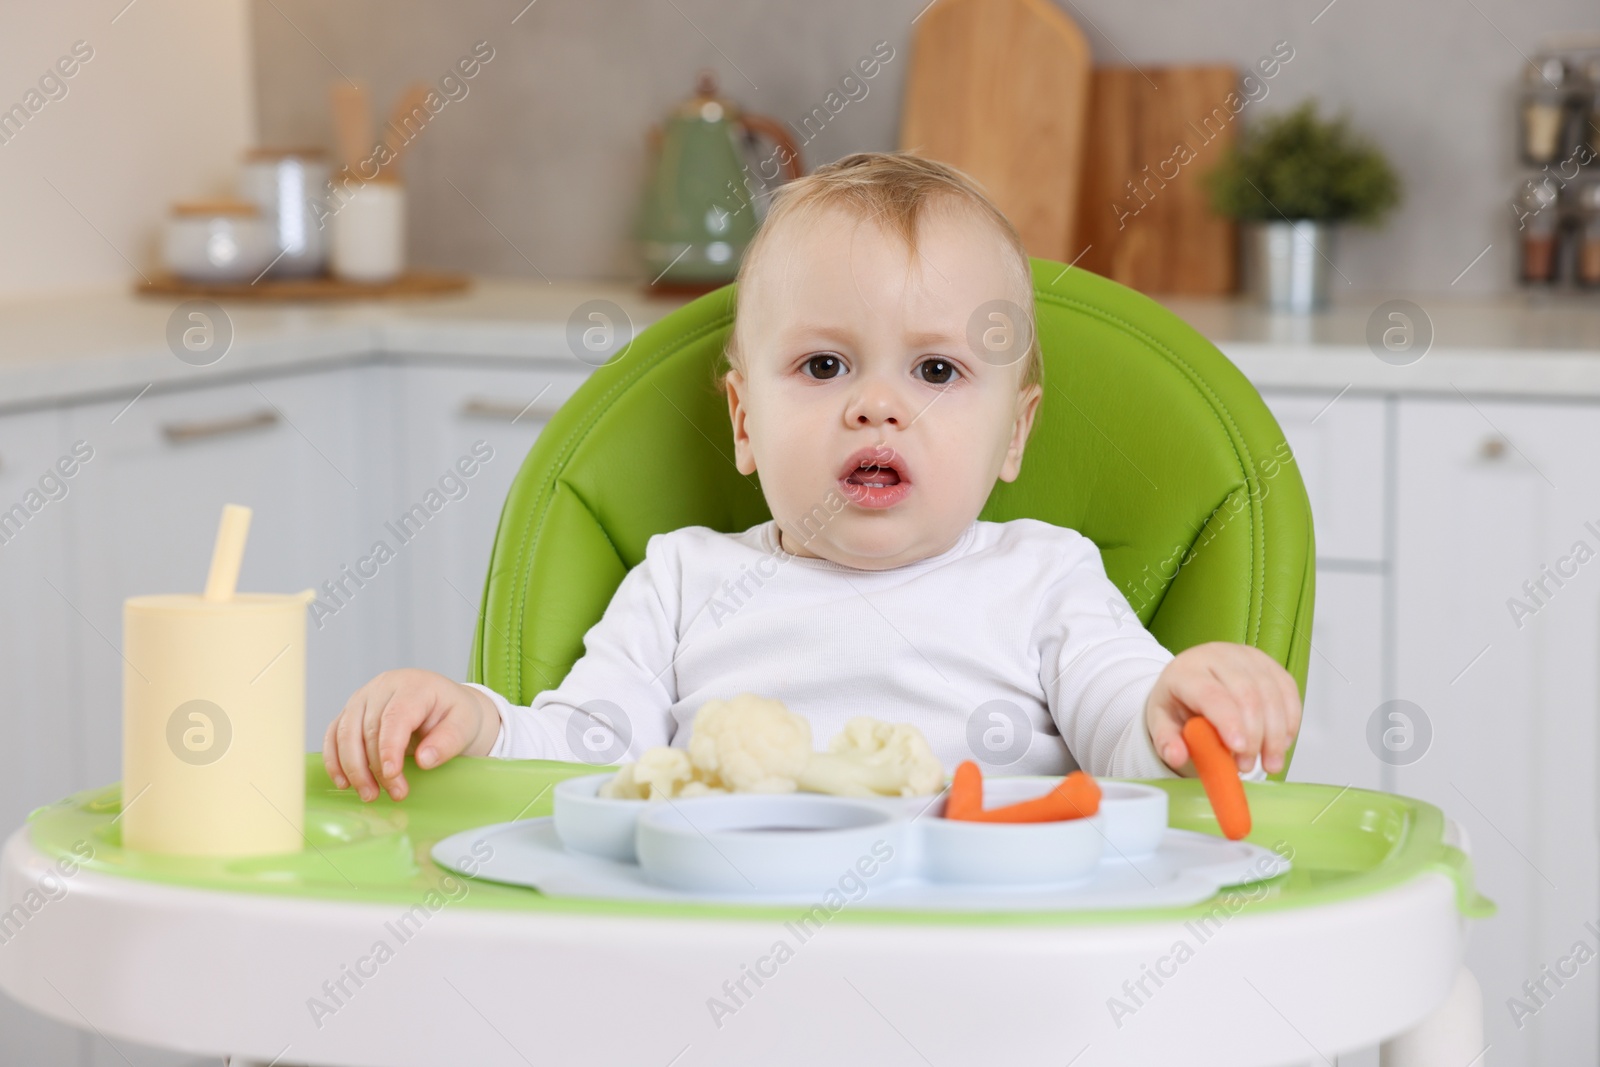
(699, 211)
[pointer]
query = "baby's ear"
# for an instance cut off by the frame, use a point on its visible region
(1027, 406)
(743, 455)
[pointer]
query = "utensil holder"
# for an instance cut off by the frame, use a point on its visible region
(369, 234)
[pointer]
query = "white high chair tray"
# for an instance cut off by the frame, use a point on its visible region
(1186, 868)
(1348, 950)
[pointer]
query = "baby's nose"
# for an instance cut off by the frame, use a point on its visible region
(876, 403)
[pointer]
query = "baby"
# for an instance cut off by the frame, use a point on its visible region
(878, 428)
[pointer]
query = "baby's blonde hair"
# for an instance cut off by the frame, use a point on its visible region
(893, 189)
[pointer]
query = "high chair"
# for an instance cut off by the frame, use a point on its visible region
(1148, 441)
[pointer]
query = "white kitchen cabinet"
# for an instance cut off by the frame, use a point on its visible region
(1343, 683)
(457, 414)
(39, 757)
(355, 626)
(292, 448)
(1339, 444)
(37, 622)
(1493, 495)
(1341, 448)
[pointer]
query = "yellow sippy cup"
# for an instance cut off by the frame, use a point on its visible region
(213, 714)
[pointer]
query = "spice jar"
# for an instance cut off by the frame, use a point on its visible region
(1539, 226)
(1591, 111)
(1589, 233)
(1546, 110)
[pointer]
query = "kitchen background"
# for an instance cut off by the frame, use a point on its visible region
(547, 152)
(1442, 479)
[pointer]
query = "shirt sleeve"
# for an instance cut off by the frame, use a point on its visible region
(615, 701)
(1098, 664)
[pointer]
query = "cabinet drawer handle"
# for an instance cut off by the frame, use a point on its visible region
(478, 407)
(176, 432)
(1493, 447)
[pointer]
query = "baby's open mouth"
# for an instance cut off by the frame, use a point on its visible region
(875, 477)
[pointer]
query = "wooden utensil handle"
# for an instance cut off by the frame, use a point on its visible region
(352, 124)
(397, 136)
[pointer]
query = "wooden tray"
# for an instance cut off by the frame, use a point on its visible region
(412, 283)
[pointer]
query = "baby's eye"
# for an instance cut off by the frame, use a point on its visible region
(824, 366)
(937, 371)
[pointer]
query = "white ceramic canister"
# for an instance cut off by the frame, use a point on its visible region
(369, 232)
(213, 724)
(217, 241)
(287, 184)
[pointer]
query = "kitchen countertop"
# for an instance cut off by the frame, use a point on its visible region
(1518, 344)
(110, 342)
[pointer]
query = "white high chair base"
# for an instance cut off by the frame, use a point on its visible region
(1452, 1034)
(288, 981)
(1440, 1040)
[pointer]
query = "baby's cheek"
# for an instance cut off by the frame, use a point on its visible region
(968, 474)
(793, 475)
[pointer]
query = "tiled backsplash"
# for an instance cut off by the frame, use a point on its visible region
(535, 165)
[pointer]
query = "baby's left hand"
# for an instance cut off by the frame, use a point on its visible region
(1251, 700)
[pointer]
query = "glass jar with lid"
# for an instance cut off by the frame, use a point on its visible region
(1538, 229)
(1590, 118)
(1589, 233)
(1552, 112)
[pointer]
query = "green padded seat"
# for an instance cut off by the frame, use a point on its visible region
(1147, 440)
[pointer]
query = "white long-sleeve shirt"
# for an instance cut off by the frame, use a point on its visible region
(1012, 648)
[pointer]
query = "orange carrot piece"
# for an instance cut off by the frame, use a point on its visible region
(966, 791)
(1082, 793)
(1074, 797)
(1220, 775)
(1049, 808)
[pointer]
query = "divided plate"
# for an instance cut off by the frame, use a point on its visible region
(1186, 868)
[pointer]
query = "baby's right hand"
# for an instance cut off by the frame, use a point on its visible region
(374, 731)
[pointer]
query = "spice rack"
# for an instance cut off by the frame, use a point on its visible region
(1556, 204)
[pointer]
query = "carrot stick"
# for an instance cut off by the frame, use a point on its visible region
(1220, 775)
(966, 791)
(1048, 808)
(1082, 793)
(1074, 797)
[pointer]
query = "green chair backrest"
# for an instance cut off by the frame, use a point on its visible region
(1148, 441)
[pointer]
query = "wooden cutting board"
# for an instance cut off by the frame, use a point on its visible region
(1000, 90)
(1141, 211)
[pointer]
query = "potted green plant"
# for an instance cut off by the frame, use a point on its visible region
(1290, 181)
